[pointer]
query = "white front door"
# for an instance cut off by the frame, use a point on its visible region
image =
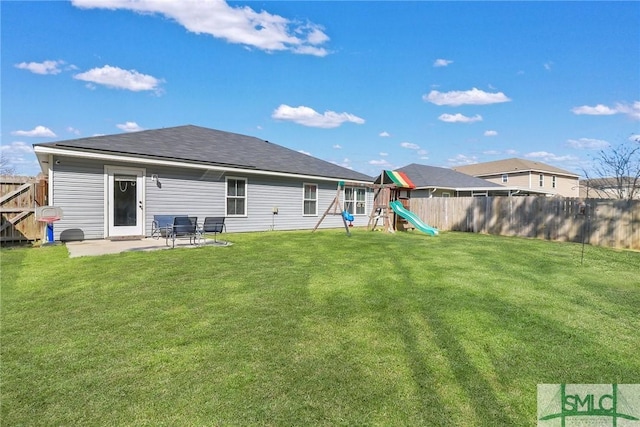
(125, 203)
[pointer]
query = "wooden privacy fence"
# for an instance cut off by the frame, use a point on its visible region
(601, 222)
(19, 197)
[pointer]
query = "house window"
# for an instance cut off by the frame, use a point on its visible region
(310, 199)
(355, 200)
(553, 181)
(505, 177)
(541, 180)
(236, 197)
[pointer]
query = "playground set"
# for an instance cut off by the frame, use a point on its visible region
(390, 205)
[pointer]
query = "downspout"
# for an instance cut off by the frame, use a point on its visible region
(50, 201)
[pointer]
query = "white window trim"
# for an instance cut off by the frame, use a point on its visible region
(304, 184)
(505, 177)
(355, 199)
(246, 196)
(541, 180)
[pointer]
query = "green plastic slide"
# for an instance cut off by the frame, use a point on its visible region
(412, 218)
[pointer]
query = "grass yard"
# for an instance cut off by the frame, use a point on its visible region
(295, 328)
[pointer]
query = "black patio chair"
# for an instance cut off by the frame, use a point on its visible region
(213, 224)
(183, 226)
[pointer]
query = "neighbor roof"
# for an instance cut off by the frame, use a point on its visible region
(510, 166)
(201, 145)
(432, 176)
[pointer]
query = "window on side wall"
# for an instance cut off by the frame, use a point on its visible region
(236, 197)
(310, 200)
(553, 181)
(355, 200)
(541, 180)
(505, 177)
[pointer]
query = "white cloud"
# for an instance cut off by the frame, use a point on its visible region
(117, 78)
(346, 163)
(383, 154)
(384, 134)
(459, 118)
(381, 162)
(548, 65)
(73, 130)
(442, 62)
(337, 146)
(423, 152)
(304, 152)
(469, 97)
(37, 132)
(410, 145)
(549, 157)
(45, 67)
(462, 159)
(129, 127)
(17, 147)
(588, 143)
(634, 138)
(632, 110)
(490, 133)
(598, 110)
(240, 24)
(19, 157)
(309, 117)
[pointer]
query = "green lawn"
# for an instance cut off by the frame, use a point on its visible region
(295, 328)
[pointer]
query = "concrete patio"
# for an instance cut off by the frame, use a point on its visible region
(103, 247)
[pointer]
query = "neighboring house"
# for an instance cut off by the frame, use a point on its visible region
(526, 175)
(431, 181)
(113, 185)
(610, 188)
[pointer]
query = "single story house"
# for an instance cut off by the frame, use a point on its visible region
(526, 175)
(112, 186)
(432, 181)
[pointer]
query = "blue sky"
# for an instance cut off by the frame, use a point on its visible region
(367, 85)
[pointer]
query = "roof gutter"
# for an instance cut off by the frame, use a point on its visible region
(43, 153)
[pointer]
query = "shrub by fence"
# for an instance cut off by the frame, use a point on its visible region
(602, 222)
(19, 196)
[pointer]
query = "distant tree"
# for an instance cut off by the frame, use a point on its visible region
(616, 171)
(6, 168)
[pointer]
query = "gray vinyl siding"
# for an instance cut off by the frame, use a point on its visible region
(195, 193)
(78, 188)
(192, 192)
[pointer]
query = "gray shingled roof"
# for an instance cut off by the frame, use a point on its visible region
(212, 147)
(432, 176)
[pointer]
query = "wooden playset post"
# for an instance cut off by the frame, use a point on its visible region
(381, 199)
(335, 204)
